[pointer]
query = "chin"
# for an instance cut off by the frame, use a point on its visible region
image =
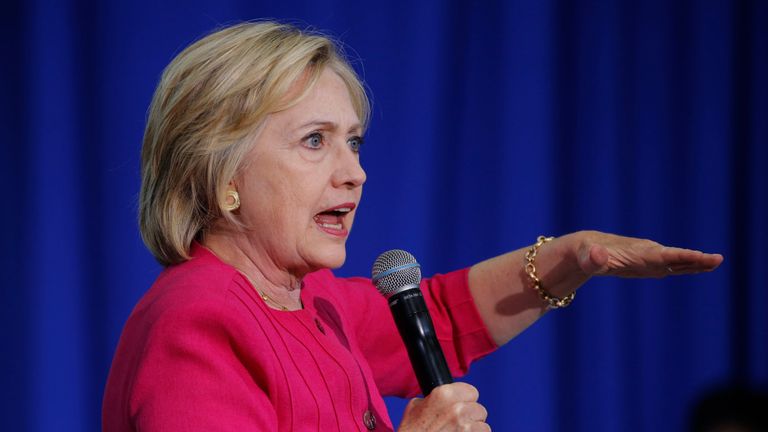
(331, 258)
(337, 261)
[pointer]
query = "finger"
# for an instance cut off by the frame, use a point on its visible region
(688, 268)
(681, 270)
(691, 260)
(456, 392)
(671, 254)
(705, 262)
(480, 427)
(473, 411)
(468, 412)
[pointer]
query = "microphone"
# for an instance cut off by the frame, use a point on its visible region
(397, 275)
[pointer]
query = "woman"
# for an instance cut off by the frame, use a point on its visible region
(250, 182)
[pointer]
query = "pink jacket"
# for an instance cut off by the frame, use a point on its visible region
(201, 351)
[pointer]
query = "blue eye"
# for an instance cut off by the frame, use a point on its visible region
(355, 143)
(314, 140)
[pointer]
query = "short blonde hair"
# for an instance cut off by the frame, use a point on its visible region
(211, 100)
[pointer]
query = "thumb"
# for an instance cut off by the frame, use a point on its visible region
(592, 259)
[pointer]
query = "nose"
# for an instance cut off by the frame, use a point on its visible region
(349, 173)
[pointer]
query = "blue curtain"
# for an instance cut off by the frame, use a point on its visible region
(493, 122)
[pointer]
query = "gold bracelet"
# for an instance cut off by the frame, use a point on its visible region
(530, 269)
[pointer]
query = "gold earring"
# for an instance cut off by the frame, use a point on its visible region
(235, 201)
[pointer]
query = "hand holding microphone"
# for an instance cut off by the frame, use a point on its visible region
(447, 406)
(450, 407)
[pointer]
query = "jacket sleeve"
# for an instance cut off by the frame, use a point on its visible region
(459, 327)
(193, 377)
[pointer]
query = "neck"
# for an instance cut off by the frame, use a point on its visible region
(279, 287)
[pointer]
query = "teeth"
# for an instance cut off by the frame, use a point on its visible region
(344, 209)
(333, 226)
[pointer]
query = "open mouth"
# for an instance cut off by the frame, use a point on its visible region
(332, 219)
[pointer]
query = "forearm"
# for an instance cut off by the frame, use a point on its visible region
(503, 292)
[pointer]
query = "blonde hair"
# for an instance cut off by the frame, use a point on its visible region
(211, 100)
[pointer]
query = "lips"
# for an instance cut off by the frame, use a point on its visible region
(331, 220)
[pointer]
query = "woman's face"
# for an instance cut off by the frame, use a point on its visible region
(302, 180)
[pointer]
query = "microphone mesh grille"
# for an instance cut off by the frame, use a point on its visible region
(397, 279)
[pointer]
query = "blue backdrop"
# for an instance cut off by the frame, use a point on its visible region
(493, 122)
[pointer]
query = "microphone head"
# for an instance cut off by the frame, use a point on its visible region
(395, 270)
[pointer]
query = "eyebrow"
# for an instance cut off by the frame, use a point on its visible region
(357, 127)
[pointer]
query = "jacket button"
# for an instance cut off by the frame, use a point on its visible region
(319, 326)
(369, 420)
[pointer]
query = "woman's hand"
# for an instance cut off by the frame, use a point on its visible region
(508, 304)
(450, 407)
(607, 254)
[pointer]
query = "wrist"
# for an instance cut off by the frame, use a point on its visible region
(557, 291)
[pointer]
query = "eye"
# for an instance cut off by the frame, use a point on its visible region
(355, 143)
(313, 141)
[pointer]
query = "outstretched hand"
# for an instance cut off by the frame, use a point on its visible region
(612, 255)
(508, 303)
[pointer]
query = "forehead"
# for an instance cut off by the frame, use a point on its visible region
(327, 100)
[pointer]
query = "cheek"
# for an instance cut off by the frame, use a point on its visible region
(263, 199)
(293, 204)
(293, 191)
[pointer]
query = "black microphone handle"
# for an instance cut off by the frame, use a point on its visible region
(415, 326)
